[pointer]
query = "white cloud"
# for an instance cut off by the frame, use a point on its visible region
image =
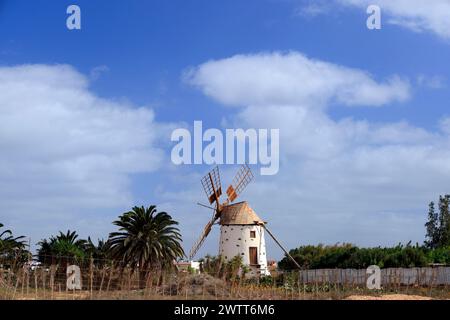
(314, 8)
(432, 82)
(445, 125)
(340, 180)
(292, 78)
(97, 71)
(65, 152)
(417, 15)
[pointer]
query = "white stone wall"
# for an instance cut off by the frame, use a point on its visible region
(235, 240)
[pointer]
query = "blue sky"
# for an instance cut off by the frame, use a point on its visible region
(134, 54)
(162, 38)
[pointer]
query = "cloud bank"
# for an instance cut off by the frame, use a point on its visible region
(340, 179)
(66, 152)
(292, 78)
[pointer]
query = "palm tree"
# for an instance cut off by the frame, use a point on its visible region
(146, 238)
(99, 253)
(63, 247)
(12, 248)
(214, 265)
(8, 243)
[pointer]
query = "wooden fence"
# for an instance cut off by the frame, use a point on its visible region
(390, 276)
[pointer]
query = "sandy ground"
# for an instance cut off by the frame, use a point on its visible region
(389, 297)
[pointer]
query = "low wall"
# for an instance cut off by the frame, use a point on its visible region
(402, 276)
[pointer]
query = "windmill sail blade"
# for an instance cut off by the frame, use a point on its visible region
(201, 239)
(240, 181)
(212, 185)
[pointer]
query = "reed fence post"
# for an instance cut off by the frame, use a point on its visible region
(102, 281)
(35, 284)
(185, 287)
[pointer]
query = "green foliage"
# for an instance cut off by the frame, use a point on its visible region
(408, 257)
(100, 252)
(217, 267)
(12, 248)
(64, 248)
(439, 255)
(267, 281)
(146, 238)
(190, 270)
(349, 256)
(213, 265)
(436, 249)
(438, 224)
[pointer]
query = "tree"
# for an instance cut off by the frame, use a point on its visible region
(438, 224)
(213, 265)
(444, 221)
(347, 256)
(100, 253)
(64, 248)
(146, 238)
(432, 227)
(12, 248)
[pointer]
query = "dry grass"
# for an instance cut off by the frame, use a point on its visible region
(183, 286)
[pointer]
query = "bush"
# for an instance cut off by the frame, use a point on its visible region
(350, 256)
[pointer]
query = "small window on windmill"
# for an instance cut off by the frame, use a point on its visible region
(252, 234)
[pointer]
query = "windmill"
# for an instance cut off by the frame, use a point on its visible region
(241, 230)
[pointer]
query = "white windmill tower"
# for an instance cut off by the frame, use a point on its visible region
(241, 230)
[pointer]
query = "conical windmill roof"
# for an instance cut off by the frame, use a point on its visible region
(239, 214)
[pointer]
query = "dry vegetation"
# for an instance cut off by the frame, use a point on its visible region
(185, 286)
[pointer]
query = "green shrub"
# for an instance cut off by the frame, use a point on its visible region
(350, 256)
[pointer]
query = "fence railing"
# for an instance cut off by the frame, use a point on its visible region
(428, 276)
